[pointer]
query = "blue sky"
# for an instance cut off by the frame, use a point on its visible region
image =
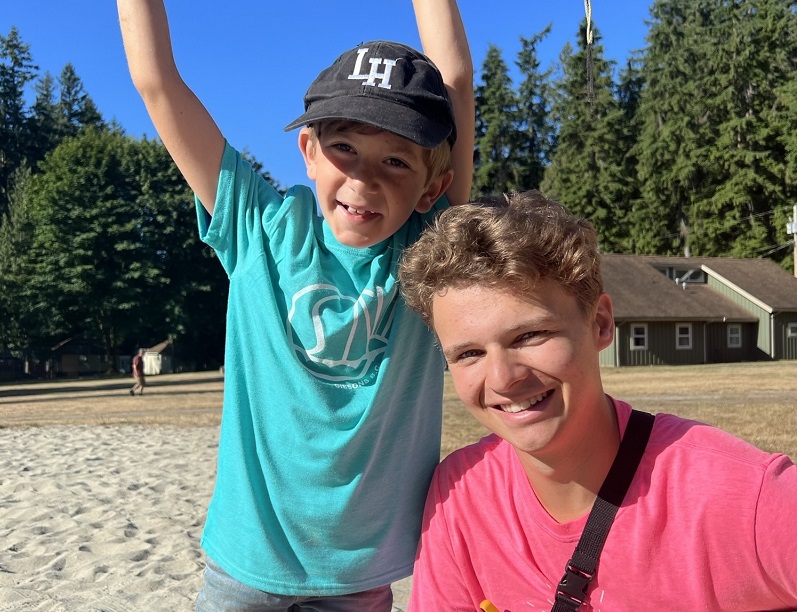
(251, 62)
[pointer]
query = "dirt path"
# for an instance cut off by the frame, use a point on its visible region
(189, 399)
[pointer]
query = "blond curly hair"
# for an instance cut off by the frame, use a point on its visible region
(509, 243)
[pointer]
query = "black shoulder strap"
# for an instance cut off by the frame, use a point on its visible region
(572, 589)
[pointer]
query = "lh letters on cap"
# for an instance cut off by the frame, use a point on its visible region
(371, 77)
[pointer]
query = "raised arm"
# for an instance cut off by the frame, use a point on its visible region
(182, 122)
(444, 42)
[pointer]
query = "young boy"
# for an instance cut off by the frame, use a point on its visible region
(331, 421)
(708, 521)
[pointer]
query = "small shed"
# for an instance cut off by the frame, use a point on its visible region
(156, 362)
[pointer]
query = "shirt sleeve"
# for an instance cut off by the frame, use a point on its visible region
(245, 203)
(776, 528)
(437, 583)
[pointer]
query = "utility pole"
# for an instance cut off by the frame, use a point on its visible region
(791, 228)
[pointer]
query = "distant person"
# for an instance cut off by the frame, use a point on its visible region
(138, 373)
(332, 398)
(515, 296)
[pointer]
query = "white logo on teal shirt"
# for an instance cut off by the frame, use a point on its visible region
(337, 337)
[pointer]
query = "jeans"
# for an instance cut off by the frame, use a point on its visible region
(223, 593)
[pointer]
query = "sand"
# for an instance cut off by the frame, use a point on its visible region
(106, 518)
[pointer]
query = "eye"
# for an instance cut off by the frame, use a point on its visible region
(531, 337)
(342, 146)
(396, 162)
(463, 356)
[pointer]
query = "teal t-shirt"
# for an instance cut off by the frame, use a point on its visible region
(332, 398)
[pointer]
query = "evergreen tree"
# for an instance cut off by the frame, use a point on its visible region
(18, 326)
(497, 117)
(81, 209)
(625, 125)
(711, 161)
(28, 134)
(756, 54)
(787, 129)
(670, 169)
(186, 287)
(110, 251)
(535, 130)
(45, 122)
(76, 109)
(16, 71)
(97, 230)
(585, 173)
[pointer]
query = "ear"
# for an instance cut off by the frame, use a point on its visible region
(433, 191)
(604, 320)
(307, 146)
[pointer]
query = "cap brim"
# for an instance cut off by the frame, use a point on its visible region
(395, 118)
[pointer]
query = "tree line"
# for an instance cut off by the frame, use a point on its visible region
(689, 147)
(98, 237)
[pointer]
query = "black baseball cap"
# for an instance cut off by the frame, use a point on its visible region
(387, 85)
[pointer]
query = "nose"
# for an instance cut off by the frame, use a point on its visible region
(503, 371)
(361, 178)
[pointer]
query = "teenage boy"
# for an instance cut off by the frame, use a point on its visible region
(514, 294)
(331, 421)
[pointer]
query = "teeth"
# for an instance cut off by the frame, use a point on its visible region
(523, 405)
(356, 211)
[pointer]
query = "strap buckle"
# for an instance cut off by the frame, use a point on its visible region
(572, 588)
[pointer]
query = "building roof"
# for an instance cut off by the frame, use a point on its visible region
(160, 347)
(762, 279)
(640, 291)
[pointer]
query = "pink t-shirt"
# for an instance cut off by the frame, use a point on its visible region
(709, 523)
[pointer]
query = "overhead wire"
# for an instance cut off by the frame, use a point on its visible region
(588, 41)
(765, 213)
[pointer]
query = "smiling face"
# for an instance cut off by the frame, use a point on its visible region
(526, 367)
(368, 182)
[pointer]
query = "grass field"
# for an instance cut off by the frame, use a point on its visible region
(756, 401)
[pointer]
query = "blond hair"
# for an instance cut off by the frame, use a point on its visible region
(512, 243)
(438, 159)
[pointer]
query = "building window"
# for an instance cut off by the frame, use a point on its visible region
(734, 335)
(791, 330)
(683, 336)
(639, 336)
